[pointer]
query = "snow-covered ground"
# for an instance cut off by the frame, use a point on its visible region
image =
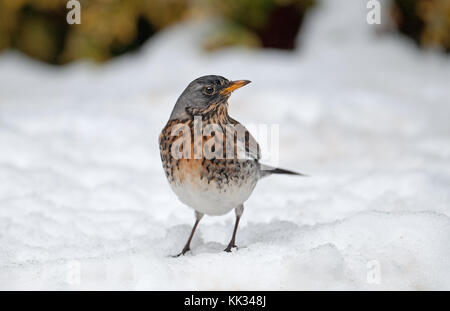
(84, 203)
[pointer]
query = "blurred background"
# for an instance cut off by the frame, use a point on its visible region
(109, 28)
(362, 108)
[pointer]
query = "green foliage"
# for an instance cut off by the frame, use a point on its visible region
(108, 27)
(230, 34)
(112, 27)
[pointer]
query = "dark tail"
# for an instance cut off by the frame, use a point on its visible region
(267, 170)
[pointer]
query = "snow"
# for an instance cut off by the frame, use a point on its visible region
(84, 203)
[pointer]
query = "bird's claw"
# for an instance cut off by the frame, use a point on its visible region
(183, 252)
(229, 247)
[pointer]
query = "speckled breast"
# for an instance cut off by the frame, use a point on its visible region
(210, 186)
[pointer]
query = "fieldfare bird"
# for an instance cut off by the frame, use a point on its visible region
(210, 160)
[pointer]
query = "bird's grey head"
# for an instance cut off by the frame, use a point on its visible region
(203, 92)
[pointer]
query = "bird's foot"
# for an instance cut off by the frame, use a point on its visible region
(183, 252)
(229, 247)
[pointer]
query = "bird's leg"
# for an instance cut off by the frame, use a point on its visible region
(239, 210)
(187, 248)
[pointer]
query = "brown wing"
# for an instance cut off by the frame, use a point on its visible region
(246, 143)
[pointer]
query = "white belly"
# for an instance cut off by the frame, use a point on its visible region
(212, 200)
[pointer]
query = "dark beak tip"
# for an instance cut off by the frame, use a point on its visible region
(242, 83)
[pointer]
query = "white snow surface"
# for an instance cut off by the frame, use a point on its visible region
(84, 203)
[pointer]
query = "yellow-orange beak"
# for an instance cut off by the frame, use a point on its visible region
(234, 85)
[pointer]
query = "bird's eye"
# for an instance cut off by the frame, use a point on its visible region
(209, 90)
